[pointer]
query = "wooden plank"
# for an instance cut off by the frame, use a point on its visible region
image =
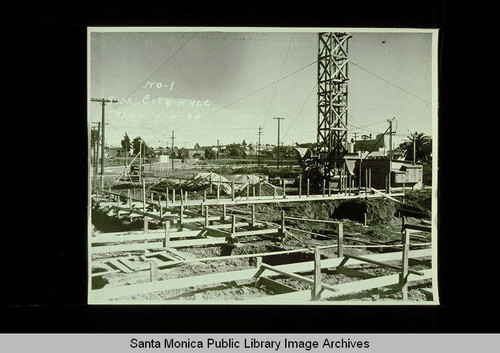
(351, 272)
(141, 288)
(120, 266)
(256, 232)
(143, 237)
(418, 227)
(177, 283)
(337, 290)
(275, 286)
(382, 264)
(313, 220)
(288, 274)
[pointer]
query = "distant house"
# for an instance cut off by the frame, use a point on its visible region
(196, 153)
(112, 152)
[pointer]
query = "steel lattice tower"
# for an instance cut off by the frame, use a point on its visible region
(332, 100)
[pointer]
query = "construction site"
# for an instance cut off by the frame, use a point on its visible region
(332, 224)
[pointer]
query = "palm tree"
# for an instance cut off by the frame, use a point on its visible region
(422, 145)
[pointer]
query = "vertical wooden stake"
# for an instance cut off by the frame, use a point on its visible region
(232, 190)
(161, 206)
(308, 187)
(258, 261)
(370, 179)
(404, 272)
(181, 219)
(248, 191)
(330, 188)
(284, 188)
(210, 181)
(152, 198)
(204, 195)
(283, 228)
(324, 186)
(300, 186)
(340, 240)
(173, 195)
(233, 225)
(366, 181)
(315, 295)
(153, 271)
(166, 242)
(186, 196)
(218, 192)
(129, 200)
(146, 224)
(253, 190)
(253, 215)
(206, 216)
(166, 198)
(274, 192)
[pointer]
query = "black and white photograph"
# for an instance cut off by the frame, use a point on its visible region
(262, 167)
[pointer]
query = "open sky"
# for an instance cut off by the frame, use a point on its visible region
(210, 86)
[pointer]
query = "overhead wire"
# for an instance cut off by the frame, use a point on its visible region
(279, 76)
(300, 111)
(390, 83)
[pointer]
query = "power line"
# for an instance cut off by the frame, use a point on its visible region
(276, 86)
(392, 84)
(159, 67)
(250, 94)
(300, 111)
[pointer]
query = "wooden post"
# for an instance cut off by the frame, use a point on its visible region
(284, 188)
(129, 200)
(210, 181)
(404, 193)
(260, 189)
(404, 272)
(366, 182)
(340, 240)
(153, 271)
(146, 224)
(274, 192)
(166, 242)
(181, 219)
(248, 191)
(173, 195)
(233, 225)
(186, 196)
(144, 205)
(283, 228)
(232, 190)
(166, 198)
(330, 189)
(308, 187)
(253, 190)
(370, 179)
(315, 295)
(218, 192)
(324, 185)
(253, 215)
(258, 261)
(160, 206)
(206, 215)
(349, 181)
(152, 198)
(300, 186)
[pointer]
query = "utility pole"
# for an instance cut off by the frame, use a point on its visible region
(173, 153)
(278, 146)
(258, 146)
(103, 102)
(414, 150)
(390, 151)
